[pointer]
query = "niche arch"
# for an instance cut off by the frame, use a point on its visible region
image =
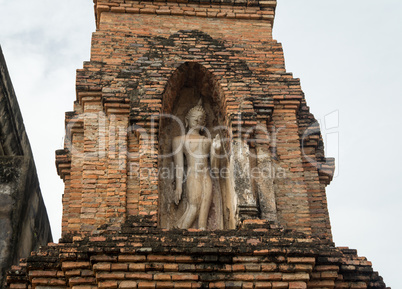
(189, 83)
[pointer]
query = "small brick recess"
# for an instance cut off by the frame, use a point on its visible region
(152, 59)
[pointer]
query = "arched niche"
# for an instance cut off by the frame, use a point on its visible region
(188, 84)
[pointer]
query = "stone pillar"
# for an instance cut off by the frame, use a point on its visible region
(94, 164)
(240, 170)
(116, 197)
(96, 185)
(133, 173)
(148, 163)
(291, 190)
(73, 192)
(264, 178)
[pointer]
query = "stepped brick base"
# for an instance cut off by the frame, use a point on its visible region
(258, 255)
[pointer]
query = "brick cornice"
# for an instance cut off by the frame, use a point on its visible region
(231, 9)
(246, 3)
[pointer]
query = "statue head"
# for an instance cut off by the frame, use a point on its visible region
(196, 112)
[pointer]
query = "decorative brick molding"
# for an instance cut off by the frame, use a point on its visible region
(230, 9)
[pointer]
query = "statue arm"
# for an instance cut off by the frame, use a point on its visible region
(178, 158)
(215, 152)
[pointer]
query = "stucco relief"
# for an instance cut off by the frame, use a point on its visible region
(202, 156)
(190, 157)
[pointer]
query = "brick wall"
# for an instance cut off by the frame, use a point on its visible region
(152, 59)
(141, 54)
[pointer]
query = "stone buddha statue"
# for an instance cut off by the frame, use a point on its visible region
(202, 156)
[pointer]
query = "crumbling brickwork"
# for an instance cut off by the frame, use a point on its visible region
(150, 63)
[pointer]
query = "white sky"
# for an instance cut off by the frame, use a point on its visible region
(347, 55)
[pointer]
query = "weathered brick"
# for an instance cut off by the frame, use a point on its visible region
(102, 266)
(280, 285)
(164, 285)
(185, 277)
(297, 285)
(108, 284)
(131, 258)
(146, 285)
(263, 285)
(136, 267)
(128, 284)
(75, 265)
(171, 267)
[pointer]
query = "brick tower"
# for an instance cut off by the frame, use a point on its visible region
(261, 219)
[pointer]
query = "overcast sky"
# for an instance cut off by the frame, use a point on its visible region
(347, 54)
